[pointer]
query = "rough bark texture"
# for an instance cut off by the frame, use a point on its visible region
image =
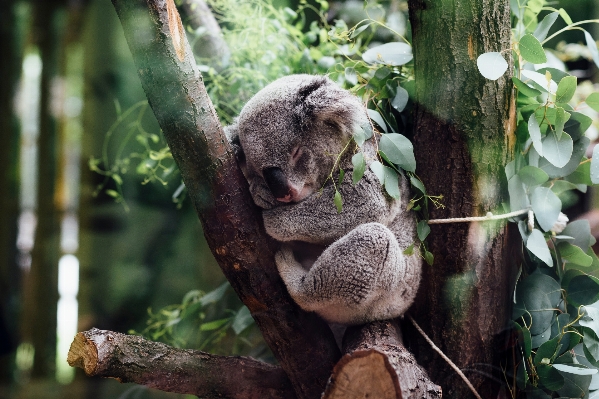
(464, 130)
(302, 342)
(130, 358)
(377, 365)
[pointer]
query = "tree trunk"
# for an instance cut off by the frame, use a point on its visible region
(302, 342)
(10, 65)
(41, 282)
(464, 130)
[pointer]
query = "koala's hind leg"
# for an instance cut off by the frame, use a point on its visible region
(358, 278)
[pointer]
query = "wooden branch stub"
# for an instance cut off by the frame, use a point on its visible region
(377, 365)
(131, 358)
(83, 354)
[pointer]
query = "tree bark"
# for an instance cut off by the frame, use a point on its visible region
(464, 128)
(302, 342)
(130, 358)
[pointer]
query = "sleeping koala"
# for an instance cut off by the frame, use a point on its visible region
(348, 267)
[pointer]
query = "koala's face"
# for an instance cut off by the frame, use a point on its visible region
(291, 134)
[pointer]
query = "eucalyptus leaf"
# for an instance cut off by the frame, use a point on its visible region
(518, 198)
(578, 151)
(338, 201)
(243, 319)
(392, 183)
(359, 164)
(524, 88)
(593, 101)
(400, 100)
(560, 186)
(561, 117)
(538, 246)
(556, 74)
(556, 150)
(547, 352)
(359, 136)
(351, 76)
(577, 125)
(399, 150)
(377, 118)
(574, 254)
(578, 369)
(549, 377)
(532, 50)
(359, 30)
(546, 206)
(580, 230)
(535, 134)
(532, 176)
(539, 80)
(565, 16)
(538, 295)
(379, 170)
(595, 165)
(214, 295)
(575, 385)
(592, 46)
(417, 184)
(583, 290)
(565, 89)
(423, 230)
(543, 27)
(394, 54)
(491, 65)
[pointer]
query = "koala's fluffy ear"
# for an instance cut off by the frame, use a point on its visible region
(323, 100)
(232, 133)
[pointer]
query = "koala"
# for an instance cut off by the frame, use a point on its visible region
(348, 267)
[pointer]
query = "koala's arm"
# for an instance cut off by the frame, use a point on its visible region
(315, 220)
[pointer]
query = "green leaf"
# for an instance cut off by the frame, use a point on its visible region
(549, 377)
(583, 290)
(400, 100)
(561, 117)
(560, 186)
(565, 16)
(214, 295)
(539, 81)
(392, 183)
(582, 175)
(547, 352)
(338, 201)
(377, 118)
(546, 206)
(593, 101)
(359, 167)
(532, 176)
(429, 258)
(379, 170)
(537, 297)
(580, 230)
(532, 50)
(359, 30)
(409, 250)
(577, 369)
(577, 125)
(543, 27)
(491, 65)
(112, 193)
(399, 150)
(575, 386)
(565, 89)
(243, 319)
(351, 76)
(518, 198)
(592, 46)
(341, 176)
(394, 53)
(524, 339)
(359, 136)
(578, 151)
(214, 325)
(556, 74)
(574, 254)
(417, 184)
(535, 134)
(524, 88)
(557, 151)
(538, 246)
(594, 172)
(423, 230)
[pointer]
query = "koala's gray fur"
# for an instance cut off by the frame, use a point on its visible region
(347, 267)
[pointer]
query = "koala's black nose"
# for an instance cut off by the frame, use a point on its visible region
(276, 181)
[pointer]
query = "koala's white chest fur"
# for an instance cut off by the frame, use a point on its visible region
(288, 135)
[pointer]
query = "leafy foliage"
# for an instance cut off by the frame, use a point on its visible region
(556, 314)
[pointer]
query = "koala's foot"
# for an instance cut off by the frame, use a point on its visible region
(361, 277)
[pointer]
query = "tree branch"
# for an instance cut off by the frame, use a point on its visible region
(302, 342)
(377, 365)
(131, 358)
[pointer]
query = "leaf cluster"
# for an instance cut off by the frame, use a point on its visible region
(556, 314)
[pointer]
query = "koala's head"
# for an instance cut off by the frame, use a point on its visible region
(291, 133)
